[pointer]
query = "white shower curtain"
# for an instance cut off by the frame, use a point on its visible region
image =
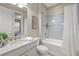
(70, 30)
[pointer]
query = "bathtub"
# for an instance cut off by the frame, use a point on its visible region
(54, 46)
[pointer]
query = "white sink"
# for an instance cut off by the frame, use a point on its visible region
(27, 39)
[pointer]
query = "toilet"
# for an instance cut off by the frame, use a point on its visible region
(42, 50)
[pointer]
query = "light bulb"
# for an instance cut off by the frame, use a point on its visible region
(14, 3)
(20, 5)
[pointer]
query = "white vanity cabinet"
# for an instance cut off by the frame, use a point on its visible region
(31, 52)
(23, 49)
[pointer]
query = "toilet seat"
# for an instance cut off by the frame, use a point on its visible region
(42, 49)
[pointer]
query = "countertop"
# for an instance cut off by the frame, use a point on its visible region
(15, 45)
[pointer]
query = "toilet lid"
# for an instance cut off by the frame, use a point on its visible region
(42, 47)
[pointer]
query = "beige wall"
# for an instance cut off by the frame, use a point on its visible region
(32, 11)
(55, 10)
(35, 9)
(44, 9)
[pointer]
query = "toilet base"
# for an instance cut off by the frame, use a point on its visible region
(42, 54)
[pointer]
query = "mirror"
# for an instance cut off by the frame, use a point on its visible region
(17, 24)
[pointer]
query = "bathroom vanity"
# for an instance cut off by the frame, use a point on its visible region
(19, 48)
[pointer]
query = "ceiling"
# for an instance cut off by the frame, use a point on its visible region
(50, 4)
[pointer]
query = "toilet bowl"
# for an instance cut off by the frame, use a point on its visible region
(42, 50)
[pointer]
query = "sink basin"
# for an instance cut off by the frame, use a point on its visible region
(27, 39)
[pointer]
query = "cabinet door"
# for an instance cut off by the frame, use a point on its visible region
(18, 51)
(31, 52)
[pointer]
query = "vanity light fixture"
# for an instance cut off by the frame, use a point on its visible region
(21, 5)
(14, 3)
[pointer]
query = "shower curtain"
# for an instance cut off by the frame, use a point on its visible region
(70, 30)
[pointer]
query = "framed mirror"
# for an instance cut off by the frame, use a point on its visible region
(34, 22)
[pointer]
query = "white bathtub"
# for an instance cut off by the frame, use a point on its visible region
(53, 42)
(54, 46)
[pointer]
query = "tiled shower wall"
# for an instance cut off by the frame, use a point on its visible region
(55, 23)
(55, 26)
